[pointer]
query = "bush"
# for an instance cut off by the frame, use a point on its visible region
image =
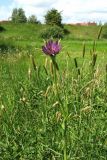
(53, 17)
(2, 29)
(52, 32)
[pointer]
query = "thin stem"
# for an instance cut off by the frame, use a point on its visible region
(65, 140)
(55, 69)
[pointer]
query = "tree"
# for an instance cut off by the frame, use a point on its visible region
(18, 16)
(21, 16)
(53, 17)
(33, 19)
(14, 15)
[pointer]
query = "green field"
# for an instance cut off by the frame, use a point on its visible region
(48, 114)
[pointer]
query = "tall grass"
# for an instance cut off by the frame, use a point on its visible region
(48, 113)
(45, 118)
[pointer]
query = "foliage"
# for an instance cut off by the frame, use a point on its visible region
(2, 28)
(18, 16)
(33, 19)
(52, 32)
(53, 17)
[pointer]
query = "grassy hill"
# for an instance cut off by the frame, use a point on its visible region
(32, 31)
(24, 35)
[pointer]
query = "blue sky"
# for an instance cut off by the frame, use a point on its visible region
(72, 10)
(5, 2)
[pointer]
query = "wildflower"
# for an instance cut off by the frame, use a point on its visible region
(51, 48)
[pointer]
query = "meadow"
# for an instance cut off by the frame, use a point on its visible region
(48, 114)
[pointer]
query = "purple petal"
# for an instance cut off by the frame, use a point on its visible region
(49, 44)
(56, 48)
(44, 49)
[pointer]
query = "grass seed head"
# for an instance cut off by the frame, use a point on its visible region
(87, 109)
(58, 116)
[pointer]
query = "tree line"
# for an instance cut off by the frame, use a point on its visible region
(52, 17)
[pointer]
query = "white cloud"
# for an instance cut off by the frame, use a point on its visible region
(72, 10)
(83, 10)
(35, 3)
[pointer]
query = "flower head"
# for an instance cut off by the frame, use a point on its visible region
(51, 48)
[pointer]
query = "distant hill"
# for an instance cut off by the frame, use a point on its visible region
(29, 34)
(32, 31)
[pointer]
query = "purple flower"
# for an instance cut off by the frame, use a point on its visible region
(51, 48)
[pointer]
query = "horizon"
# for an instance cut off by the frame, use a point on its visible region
(75, 23)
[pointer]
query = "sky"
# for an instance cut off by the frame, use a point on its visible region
(73, 11)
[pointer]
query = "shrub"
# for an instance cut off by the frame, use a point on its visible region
(53, 17)
(52, 32)
(2, 29)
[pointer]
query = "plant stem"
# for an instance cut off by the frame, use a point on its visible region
(65, 140)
